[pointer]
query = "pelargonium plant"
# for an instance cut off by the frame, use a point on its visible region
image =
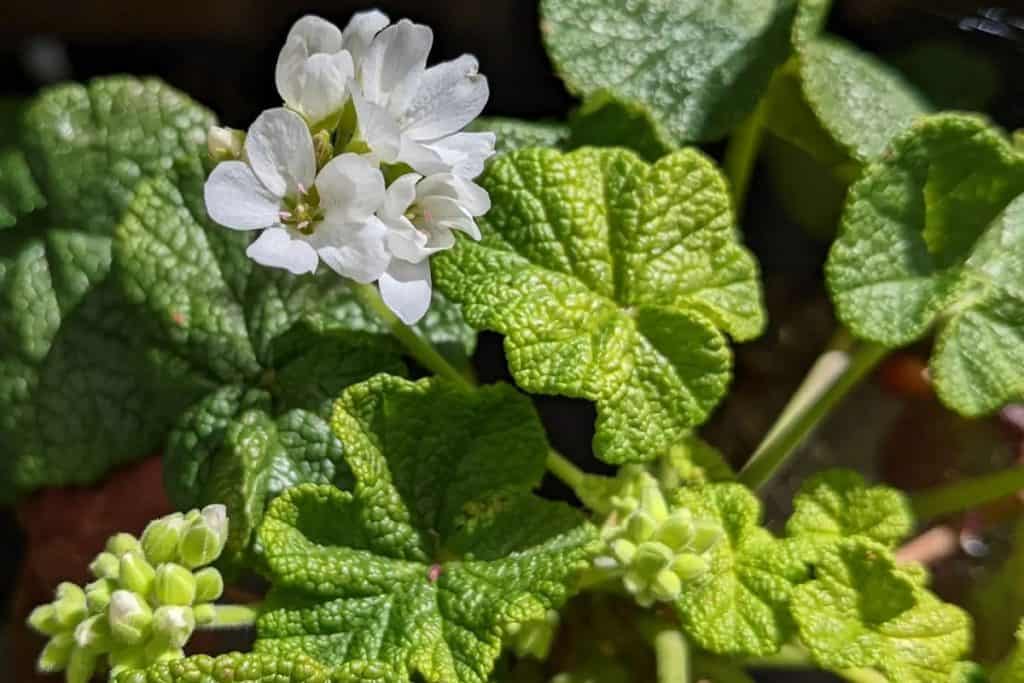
(288, 312)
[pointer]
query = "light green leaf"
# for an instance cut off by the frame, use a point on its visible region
(439, 547)
(1011, 669)
(605, 120)
(861, 611)
(608, 278)
(700, 66)
(838, 504)
(231, 668)
(931, 239)
(740, 607)
(513, 134)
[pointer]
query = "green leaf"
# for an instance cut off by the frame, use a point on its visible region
(606, 120)
(838, 504)
(740, 607)
(700, 66)
(19, 194)
(439, 547)
(1011, 669)
(608, 278)
(513, 134)
(931, 239)
(231, 668)
(861, 611)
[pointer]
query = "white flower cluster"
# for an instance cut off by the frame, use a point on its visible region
(366, 167)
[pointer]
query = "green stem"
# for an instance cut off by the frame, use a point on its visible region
(673, 656)
(833, 375)
(418, 347)
(789, 656)
(234, 616)
(741, 154)
(967, 493)
(563, 469)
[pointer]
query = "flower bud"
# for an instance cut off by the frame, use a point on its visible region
(81, 666)
(124, 658)
(105, 566)
(43, 619)
(209, 585)
(651, 499)
(204, 614)
(533, 638)
(323, 148)
(224, 144)
(161, 537)
(97, 594)
(666, 586)
(93, 634)
(174, 585)
(204, 538)
(137, 574)
(677, 530)
(119, 544)
(689, 566)
(55, 655)
(705, 535)
(652, 557)
(172, 626)
(640, 526)
(623, 550)
(129, 617)
(69, 607)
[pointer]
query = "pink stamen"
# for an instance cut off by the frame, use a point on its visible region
(285, 215)
(435, 573)
(303, 224)
(302, 188)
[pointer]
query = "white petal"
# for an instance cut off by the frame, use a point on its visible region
(400, 196)
(446, 212)
(323, 85)
(360, 31)
(395, 63)
(356, 251)
(471, 196)
(450, 95)
(351, 189)
(278, 248)
(236, 199)
(280, 151)
(319, 34)
(405, 288)
(377, 128)
(289, 69)
(406, 242)
(464, 154)
(422, 158)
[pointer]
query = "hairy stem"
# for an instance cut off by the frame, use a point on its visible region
(833, 375)
(418, 347)
(741, 154)
(967, 493)
(673, 656)
(233, 616)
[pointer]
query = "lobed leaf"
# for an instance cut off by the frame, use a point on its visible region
(231, 668)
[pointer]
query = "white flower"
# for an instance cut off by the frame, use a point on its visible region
(305, 216)
(420, 214)
(411, 114)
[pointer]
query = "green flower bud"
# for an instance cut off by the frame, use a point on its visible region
(81, 666)
(119, 544)
(125, 658)
(93, 634)
(666, 586)
(129, 617)
(105, 566)
(651, 557)
(705, 535)
(323, 148)
(43, 619)
(172, 627)
(204, 539)
(137, 574)
(651, 499)
(623, 550)
(533, 638)
(161, 537)
(689, 566)
(97, 594)
(677, 530)
(55, 655)
(204, 614)
(640, 526)
(209, 585)
(69, 607)
(225, 144)
(174, 585)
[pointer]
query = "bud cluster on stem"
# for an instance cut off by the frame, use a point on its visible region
(148, 597)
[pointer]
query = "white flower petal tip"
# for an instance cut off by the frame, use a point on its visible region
(280, 150)
(277, 248)
(313, 69)
(236, 199)
(406, 289)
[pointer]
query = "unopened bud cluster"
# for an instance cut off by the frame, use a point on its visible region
(147, 598)
(654, 548)
(532, 638)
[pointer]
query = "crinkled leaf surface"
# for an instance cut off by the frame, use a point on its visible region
(437, 549)
(700, 66)
(932, 238)
(839, 504)
(19, 194)
(609, 279)
(861, 611)
(740, 607)
(231, 668)
(606, 120)
(513, 134)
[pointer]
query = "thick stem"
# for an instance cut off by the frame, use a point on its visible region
(833, 375)
(967, 493)
(233, 616)
(418, 347)
(741, 154)
(673, 656)
(564, 470)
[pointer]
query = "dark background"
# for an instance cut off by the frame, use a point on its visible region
(222, 52)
